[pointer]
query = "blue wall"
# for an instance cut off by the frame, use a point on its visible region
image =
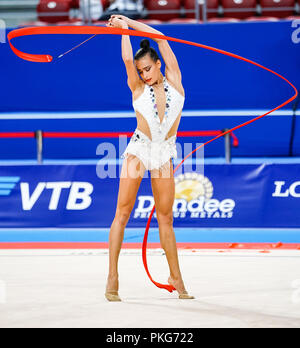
(93, 77)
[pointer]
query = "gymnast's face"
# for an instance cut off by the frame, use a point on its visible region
(148, 69)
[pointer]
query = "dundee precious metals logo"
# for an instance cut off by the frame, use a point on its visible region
(7, 184)
(194, 198)
(191, 186)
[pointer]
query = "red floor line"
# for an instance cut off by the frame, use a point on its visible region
(97, 245)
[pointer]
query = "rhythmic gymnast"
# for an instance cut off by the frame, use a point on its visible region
(141, 147)
(158, 101)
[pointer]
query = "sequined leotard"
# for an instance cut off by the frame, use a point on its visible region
(156, 152)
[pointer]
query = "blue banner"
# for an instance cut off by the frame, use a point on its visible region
(74, 196)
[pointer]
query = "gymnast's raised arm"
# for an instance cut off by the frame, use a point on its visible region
(133, 80)
(172, 72)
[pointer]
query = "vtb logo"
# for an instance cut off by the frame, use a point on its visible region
(79, 197)
(79, 194)
(7, 184)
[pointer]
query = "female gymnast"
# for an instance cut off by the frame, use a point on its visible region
(158, 103)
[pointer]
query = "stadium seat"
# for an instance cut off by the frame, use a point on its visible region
(266, 4)
(59, 7)
(162, 5)
(228, 5)
(212, 5)
(76, 4)
(32, 24)
(219, 19)
(184, 20)
(105, 4)
(100, 23)
(150, 21)
(292, 18)
(261, 19)
(73, 22)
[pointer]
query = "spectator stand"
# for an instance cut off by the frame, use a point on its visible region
(78, 12)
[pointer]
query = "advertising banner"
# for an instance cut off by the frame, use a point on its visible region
(76, 196)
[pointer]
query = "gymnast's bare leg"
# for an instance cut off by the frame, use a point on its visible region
(163, 188)
(132, 174)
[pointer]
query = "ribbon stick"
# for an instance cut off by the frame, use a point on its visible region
(46, 58)
(74, 48)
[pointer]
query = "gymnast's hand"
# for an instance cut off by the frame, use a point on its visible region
(117, 22)
(124, 18)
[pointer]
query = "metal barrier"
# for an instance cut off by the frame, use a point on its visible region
(39, 135)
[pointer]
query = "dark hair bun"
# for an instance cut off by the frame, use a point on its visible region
(145, 44)
(145, 50)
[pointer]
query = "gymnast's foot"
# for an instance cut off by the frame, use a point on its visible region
(179, 286)
(112, 288)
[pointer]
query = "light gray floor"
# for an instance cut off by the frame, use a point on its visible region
(63, 288)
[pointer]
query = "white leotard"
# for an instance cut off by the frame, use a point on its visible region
(154, 153)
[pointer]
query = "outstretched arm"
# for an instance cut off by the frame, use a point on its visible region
(139, 26)
(127, 54)
(173, 72)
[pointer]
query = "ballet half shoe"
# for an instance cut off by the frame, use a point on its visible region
(185, 296)
(112, 296)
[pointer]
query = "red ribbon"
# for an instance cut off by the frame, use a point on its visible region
(46, 58)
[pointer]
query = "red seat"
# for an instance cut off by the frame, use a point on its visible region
(72, 22)
(150, 21)
(105, 4)
(261, 19)
(184, 20)
(162, 5)
(239, 4)
(228, 20)
(212, 5)
(76, 4)
(292, 18)
(32, 24)
(277, 4)
(58, 8)
(98, 22)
